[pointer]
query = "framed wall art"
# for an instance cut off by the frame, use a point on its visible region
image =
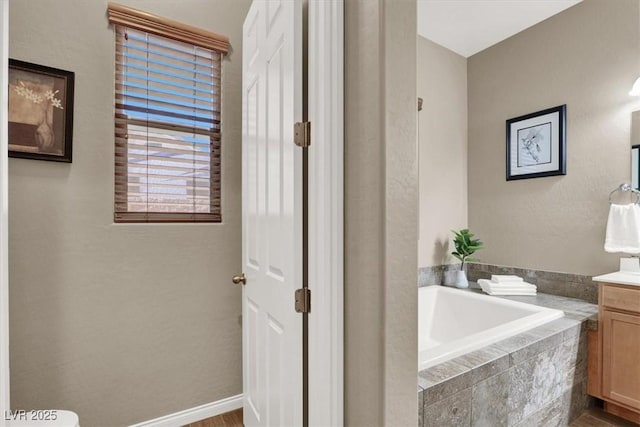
(536, 144)
(40, 112)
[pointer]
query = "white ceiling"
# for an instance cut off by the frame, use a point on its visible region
(469, 26)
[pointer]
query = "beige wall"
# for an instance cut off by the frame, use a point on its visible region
(442, 131)
(120, 323)
(381, 221)
(586, 57)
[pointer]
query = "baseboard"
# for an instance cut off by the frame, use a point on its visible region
(198, 413)
(622, 412)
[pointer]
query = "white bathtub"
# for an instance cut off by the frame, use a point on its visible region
(454, 322)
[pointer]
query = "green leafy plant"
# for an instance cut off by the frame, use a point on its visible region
(466, 246)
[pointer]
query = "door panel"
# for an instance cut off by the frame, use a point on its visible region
(272, 214)
(620, 350)
(250, 151)
(250, 374)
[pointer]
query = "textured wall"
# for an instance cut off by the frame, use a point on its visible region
(442, 135)
(363, 226)
(381, 221)
(401, 212)
(120, 323)
(585, 57)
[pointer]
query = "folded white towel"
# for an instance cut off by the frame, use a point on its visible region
(501, 278)
(623, 229)
(494, 289)
(520, 286)
(521, 293)
(490, 289)
(488, 284)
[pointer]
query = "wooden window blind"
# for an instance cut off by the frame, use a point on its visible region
(167, 129)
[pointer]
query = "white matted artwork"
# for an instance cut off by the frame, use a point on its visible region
(536, 144)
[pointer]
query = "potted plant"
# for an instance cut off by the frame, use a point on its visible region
(466, 246)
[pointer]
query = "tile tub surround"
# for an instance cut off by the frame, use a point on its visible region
(548, 282)
(438, 275)
(531, 379)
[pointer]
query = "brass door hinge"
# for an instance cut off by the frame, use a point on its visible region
(302, 134)
(303, 300)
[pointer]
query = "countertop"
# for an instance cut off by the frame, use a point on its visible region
(573, 308)
(620, 278)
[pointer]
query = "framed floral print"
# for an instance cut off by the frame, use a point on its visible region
(40, 112)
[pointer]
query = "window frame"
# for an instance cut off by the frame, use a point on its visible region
(123, 18)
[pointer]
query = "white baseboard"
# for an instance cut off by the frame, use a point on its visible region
(198, 413)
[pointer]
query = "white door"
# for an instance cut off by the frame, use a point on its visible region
(272, 213)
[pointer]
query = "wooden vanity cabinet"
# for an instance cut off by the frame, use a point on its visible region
(621, 358)
(614, 365)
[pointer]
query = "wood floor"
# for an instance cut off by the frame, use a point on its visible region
(229, 419)
(592, 418)
(598, 418)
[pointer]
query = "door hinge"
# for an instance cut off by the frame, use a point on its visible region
(302, 134)
(303, 300)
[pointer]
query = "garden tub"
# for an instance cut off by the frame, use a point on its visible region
(453, 322)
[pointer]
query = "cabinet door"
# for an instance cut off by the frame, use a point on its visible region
(621, 358)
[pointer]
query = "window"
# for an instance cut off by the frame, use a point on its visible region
(167, 120)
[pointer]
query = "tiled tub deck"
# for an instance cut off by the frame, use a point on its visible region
(537, 378)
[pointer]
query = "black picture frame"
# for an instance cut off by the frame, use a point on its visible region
(528, 157)
(40, 112)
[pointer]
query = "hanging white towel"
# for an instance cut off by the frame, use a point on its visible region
(623, 229)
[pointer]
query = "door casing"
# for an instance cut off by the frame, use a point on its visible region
(4, 205)
(326, 211)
